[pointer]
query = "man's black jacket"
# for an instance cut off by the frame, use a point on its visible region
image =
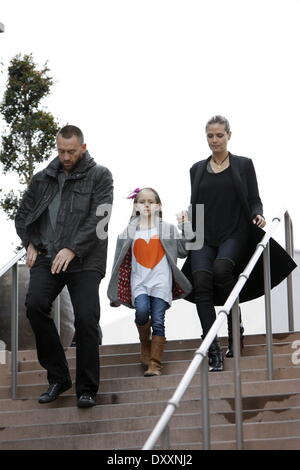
(86, 188)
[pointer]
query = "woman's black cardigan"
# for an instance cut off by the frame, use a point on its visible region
(245, 182)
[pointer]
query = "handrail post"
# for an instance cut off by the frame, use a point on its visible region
(289, 246)
(165, 438)
(237, 375)
(14, 329)
(205, 404)
(267, 286)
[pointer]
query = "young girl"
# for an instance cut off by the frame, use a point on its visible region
(145, 275)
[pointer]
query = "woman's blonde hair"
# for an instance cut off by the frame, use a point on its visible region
(219, 120)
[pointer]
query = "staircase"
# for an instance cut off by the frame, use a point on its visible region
(129, 404)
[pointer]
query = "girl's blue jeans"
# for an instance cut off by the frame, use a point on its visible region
(145, 306)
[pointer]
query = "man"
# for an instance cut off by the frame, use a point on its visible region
(57, 222)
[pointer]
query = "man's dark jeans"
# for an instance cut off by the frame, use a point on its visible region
(83, 287)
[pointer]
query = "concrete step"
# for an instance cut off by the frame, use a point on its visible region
(64, 409)
(289, 409)
(122, 440)
(151, 393)
(129, 404)
(169, 355)
(125, 439)
(34, 383)
(290, 443)
(169, 368)
(269, 418)
(251, 431)
(193, 343)
(26, 388)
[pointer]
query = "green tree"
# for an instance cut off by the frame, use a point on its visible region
(29, 138)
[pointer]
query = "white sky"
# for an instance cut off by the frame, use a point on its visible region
(141, 78)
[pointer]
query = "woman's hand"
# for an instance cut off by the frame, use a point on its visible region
(259, 221)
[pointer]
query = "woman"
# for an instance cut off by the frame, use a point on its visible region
(233, 217)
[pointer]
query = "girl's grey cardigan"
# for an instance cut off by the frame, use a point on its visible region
(119, 288)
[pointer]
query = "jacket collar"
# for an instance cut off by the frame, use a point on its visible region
(77, 172)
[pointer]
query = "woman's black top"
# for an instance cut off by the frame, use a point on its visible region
(223, 214)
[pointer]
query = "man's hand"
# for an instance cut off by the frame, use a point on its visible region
(31, 255)
(62, 260)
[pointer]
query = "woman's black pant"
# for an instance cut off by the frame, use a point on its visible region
(213, 274)
(83, 288)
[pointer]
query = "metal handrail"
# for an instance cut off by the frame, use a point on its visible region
(289, 246)
(232, 302)
(12, 261)
(13, 265)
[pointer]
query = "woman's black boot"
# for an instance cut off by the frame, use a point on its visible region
(215, 357)
(203, 296)
(229, 351)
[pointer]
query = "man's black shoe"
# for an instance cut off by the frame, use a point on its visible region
(54, 390)
(85, 400)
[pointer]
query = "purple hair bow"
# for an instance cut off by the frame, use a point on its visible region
(132, 194)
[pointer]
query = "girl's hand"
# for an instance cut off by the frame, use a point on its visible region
(182, 217)
(259, 220)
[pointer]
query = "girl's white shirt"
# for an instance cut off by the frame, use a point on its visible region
(155, 282)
